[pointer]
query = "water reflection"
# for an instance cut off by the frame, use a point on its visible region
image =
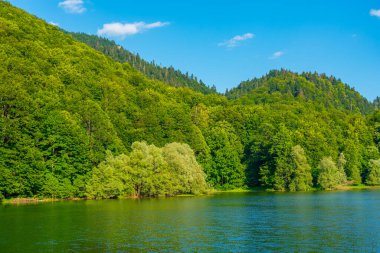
(244, 222)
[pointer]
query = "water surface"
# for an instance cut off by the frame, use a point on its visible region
(235, 222)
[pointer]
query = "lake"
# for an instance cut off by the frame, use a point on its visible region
(229, 222)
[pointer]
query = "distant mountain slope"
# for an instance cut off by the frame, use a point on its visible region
(319, 88)
(168, 75)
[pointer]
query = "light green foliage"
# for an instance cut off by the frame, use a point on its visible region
(148, 171)
(329, 175)
(150, 174)
(302, 179)
(341, 165)
(374, 173)
(55, 188)
(188, 174)
(111, 179)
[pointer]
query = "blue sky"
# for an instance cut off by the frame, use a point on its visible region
(226, 41)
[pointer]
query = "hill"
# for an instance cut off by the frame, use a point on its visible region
(168, 75)
(319, 88)
(75, 122)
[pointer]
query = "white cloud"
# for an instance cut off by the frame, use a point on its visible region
(276, 55)
(73, 6)
(236, 40)
(53, 23)
(375, 13)
(128, 29)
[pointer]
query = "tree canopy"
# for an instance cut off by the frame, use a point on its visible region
(75, 122)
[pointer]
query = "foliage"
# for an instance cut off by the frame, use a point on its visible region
(168, 75)
(65, 108)
(374, 173)
(302, 179)
(110, 179)
(226, 170)
(329, 175)
(324, 90)
(148, 171)
(186, 175)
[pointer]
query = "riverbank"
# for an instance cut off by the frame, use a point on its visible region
(357, 187)
(262, 189)
(22, 201)
(239, 190)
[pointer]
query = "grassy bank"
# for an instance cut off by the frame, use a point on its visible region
(263, 189)
(21, 201)
(357, 187)
(238, 190)
(18, 201)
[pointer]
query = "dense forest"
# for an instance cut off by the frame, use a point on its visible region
(169, 75)
(77, 122)
(326, 90)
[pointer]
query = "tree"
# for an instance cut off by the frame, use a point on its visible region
(188, 175)
(341, 168)
(226, 170)
(281, 152)
(111, 179)
(55, 188)
(302, 179)
(329, 174)
(353, 155)
(148, 171)
(374, 173)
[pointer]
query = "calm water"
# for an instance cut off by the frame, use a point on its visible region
(239, 222)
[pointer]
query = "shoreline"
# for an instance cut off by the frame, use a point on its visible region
(337, 189)
(35, 200)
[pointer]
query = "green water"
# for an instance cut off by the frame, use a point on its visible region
(236, 222)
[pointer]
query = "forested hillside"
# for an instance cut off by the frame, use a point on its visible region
(279, 84)
(76, 123)
(169, 75)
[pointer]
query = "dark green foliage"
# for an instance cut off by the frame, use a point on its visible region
(376, 103)
(168, 75)
(374, 121)
(68, 113)
(325, 91)
(281, 151)
(225, 170)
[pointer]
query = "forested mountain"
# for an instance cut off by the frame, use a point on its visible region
(168, 75)
(279, 84)
(75, 123)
